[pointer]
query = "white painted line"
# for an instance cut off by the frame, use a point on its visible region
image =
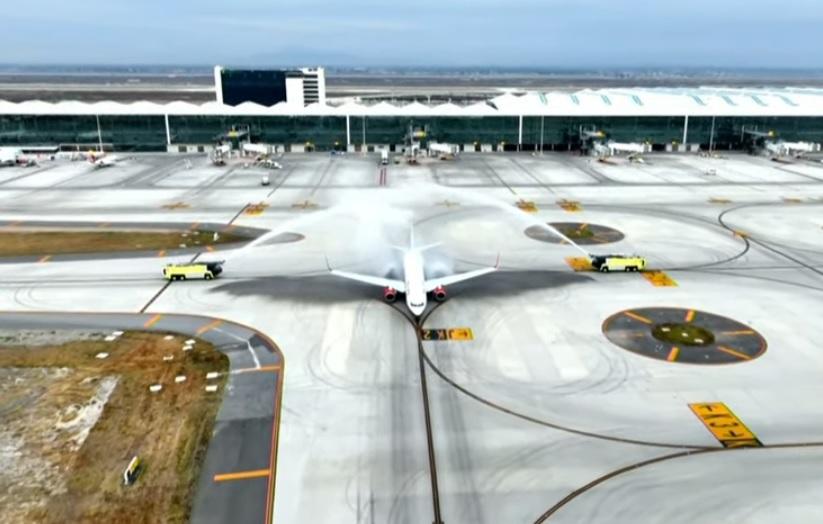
(101, 356)
(211, 389)
(211, 375)
(155, 388)
(168, 358)
(248, 345)
(179, 379)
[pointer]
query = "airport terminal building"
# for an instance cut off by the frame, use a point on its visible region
(666, 118)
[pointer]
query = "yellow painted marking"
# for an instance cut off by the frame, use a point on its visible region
(719, 201)
(15, 223)
(731, 351)
(570, 206)
(306, 204)
(659, 279)
(737, 333)
(739, 233)
(261, 369)
(44, 259)
(526, 205)
(161, 253)
(579, 263)
(194, 225)
(675, 351)
(637, 317)
(175, 205)
(104, 224)
(461, 334)
(209, 248)
(792, 200)
(582, 227)
(255, 209)
(448, 203)
(690, 315)
(724, 425)
(211, 325)
(242, 475)
(152, 321)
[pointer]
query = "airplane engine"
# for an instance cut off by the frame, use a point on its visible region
(439, 293)
(389, 294)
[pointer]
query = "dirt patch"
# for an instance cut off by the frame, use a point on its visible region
(29, 243)
(70, 422)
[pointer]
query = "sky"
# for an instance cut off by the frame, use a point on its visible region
(451, 33)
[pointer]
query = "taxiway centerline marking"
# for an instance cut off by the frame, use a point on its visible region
(211, 325)
(735, 333)
(44, 259)
(637, 317)
(690, 315)
(675, 351)
(152, 321)
(737, 354)
(242, 475)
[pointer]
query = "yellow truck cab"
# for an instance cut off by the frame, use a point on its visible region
(204, 270)
(605, 263)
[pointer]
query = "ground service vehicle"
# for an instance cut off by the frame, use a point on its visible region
(607, 263)
(205, 270)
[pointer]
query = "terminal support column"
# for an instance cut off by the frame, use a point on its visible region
(685, 130)
(348, 131)
(520, 134)
(168, 131)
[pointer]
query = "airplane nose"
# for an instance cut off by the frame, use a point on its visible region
(417, 311)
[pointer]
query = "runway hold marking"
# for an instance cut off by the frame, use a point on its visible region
(659, 279)
(730, 351)
(637, 317)
(304, 205)
(570, 206)
(152, 321)
(690, 315)
(211, 325)
(579, 263)
(719, 201)
(726, 427)
(456, 334)
(792, 200)
(255, 209)
(673, 353)
(44, 259)
(740, 234)
(242, 475)
(526, 205)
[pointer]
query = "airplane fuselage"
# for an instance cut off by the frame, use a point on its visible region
(415, 279)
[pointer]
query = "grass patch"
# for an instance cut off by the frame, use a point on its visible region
(28, 243)
(683, 334)
(170, 431)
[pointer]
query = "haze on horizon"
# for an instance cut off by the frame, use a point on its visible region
(369, 33)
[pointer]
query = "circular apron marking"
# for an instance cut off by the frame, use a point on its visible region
(683, 335)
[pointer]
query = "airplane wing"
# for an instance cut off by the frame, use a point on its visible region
(399, 285)
(434, 283)
(373, 280)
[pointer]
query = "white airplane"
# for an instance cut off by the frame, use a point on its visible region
(9, 156)
(414, 283)
(99, 160)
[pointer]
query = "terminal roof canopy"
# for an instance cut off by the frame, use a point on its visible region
(602, 102)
